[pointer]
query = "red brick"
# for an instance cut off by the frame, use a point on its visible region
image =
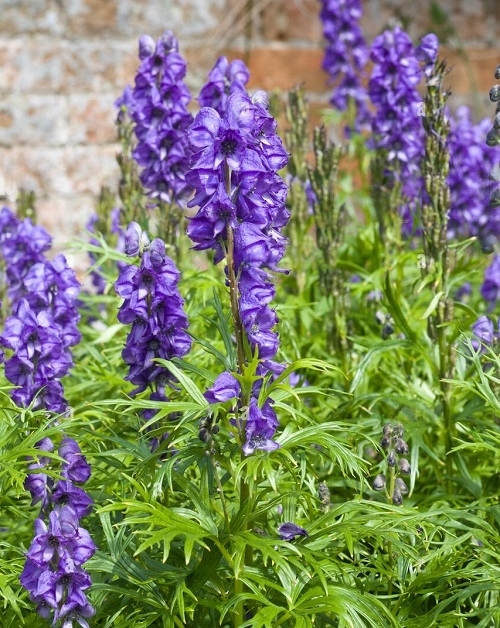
(285, 20)
(277, 67)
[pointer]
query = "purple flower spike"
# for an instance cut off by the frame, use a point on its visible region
(346, 55)
(290, 531)
(158, 108)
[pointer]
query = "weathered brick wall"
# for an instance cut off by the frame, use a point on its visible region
(64, 62)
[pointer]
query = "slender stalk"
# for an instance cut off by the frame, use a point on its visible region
(438, 257)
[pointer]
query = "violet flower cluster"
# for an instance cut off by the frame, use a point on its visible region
(223, 79)
(396, 125)
(153, 307)
(157, 106)
(22, 244)
(39, 335)
(43, 326)
(346, 55)
(471, 185)
(241, 200)
(53, 573)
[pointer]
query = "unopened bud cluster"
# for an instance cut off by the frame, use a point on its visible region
(397, 449)
(493, 136)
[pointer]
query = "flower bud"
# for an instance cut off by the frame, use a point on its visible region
(493, 138)
(495, 93)
(387, 330)
(204, 435)
(385, 442)
(495, 199)
(404, 466)
(215, 429)
(496, 122)
(397, 498)
(391, 458)
(379, 482)
(401, 446)
(497, 72)
(401, 486)
(380, 317)
(488, 243)
(387, 429)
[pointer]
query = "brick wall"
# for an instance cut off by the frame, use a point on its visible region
(64, 62)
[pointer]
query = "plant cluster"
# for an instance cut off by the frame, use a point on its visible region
(273, 400)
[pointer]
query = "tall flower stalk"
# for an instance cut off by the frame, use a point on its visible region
(39, 335)
(158, 108)
(439, 260)
(241, 214)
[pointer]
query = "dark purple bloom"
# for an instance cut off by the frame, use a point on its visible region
(346, 55)
(71, 612)
(158, 108)
(225, 387)
(136, 240)
(427, 52)
(260, 427)
(490, 290)
(241, 198)
(224, 79)
(471, 186)
(75, 467)
(290, 531)
(397, 129)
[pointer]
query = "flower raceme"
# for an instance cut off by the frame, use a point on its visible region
(241, 199)
(53, 573)
(153, 307)
(157, 106)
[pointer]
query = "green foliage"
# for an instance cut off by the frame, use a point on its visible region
(187, 534)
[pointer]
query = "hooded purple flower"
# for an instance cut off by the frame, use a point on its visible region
(260, 428)
(290, 531)
(225, 387)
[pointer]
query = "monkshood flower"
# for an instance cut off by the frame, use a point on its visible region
(393, 90)
(40, 358)
(471, 162)
(22, 244)
(241, 200)
(157, 106)
(346, 55)
(490, 289)
(154, 308)
(223, 79)
(290, 531)
(53, 573)
(398, 68)
(484, 332)
(426, 52)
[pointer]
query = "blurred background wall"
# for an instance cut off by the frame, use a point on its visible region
(63, 63)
